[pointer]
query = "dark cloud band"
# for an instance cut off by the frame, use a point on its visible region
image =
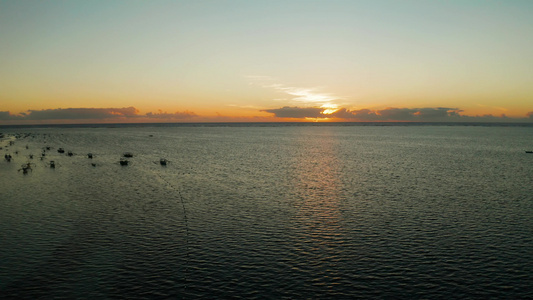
(428, 114)
(91, 114)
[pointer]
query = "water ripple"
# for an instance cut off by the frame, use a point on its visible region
(276, 212)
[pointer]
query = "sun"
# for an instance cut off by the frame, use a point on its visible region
(329, 108)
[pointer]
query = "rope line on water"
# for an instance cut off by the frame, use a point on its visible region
(186, 222)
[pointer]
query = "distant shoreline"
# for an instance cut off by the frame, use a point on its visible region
(266, 124)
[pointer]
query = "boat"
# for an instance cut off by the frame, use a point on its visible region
(61, 150)
(127, 154)
(123, 162)
(529, 151)
(25, 168)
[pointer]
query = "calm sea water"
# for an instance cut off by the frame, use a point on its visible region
(269, 212)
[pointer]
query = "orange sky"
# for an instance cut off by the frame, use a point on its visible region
(197, 61)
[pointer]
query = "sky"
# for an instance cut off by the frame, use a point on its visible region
(265, 61)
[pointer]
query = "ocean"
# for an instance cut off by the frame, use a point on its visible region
(267, 211)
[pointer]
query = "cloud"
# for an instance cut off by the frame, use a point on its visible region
(361, 114)
(427, 114)
(79, 113)
(132, 115)
(435, 114)
(388, 114)
(296, 112)
(6, 116)
(301, 95)
(125, 114)
(306, 95)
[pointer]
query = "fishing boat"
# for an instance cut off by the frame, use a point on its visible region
(25, 168)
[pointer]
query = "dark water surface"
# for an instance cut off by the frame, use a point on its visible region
(269, 212)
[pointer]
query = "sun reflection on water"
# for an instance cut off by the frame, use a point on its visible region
(317, 216)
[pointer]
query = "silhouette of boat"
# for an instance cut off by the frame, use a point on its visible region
(127, 154)
(529, 151)
(25, 168)
(124, 162)
(61, 150)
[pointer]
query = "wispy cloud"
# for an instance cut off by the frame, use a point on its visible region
(297, 95)
(250, 107)
(493, 108)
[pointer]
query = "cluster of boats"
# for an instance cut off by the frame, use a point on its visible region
(27, 167)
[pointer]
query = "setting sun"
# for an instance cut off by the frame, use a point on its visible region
(329, 108)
